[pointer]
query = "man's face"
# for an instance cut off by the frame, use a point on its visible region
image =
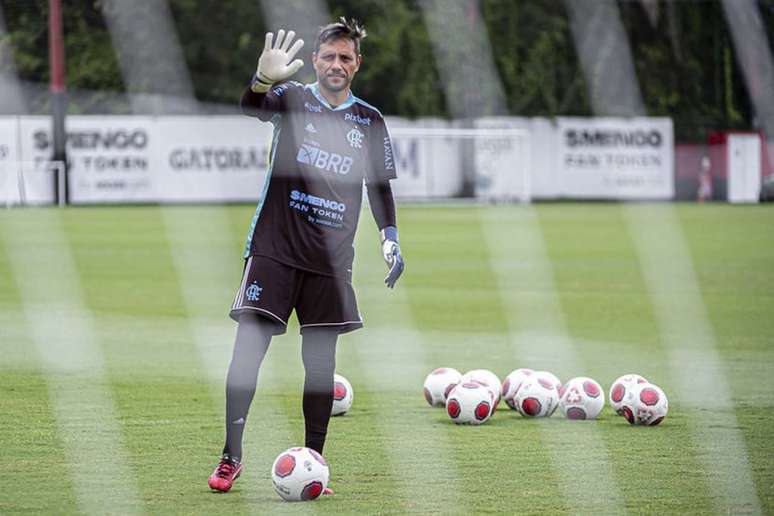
(336, 64)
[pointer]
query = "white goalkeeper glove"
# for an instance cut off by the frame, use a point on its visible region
(275, 64)
(391, 253)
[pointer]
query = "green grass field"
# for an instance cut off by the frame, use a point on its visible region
(114, 341)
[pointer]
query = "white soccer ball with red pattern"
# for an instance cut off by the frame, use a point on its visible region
(300, 474)
(488, 379)
(556, 381)
(512, 383)
(343, 395)
(581, 398)
(469, 403)
(537, 396)
(647, 405)
(621, 389)
(439, 384)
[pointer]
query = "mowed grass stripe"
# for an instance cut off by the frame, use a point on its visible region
(394, 362)
(79, 391)
(207, 262)
(540, 339)
(603, 298)
(696, 367)
(450, 285)
(732, 256)
(455, 297)
(132, 286)
(32, 457)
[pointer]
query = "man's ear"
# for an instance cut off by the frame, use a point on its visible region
(359, 61)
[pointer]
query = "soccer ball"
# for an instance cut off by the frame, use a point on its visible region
(621, 389)
(554, 379)
(581, 398)
(299, 474)
(469, 403)
(512, 383)
(647, 405)
(488, 379)
(343, 395)
(439, 384)
(557, 383)
(537, 396)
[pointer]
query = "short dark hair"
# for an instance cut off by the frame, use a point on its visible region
(351, 30)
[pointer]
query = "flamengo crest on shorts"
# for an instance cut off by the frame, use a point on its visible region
(253, 292)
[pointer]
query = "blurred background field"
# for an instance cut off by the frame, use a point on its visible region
(165, 358)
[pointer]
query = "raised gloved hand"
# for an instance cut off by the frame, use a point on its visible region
(391, 253)
(275, 64)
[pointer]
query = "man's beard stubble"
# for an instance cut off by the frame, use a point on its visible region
(324, 80)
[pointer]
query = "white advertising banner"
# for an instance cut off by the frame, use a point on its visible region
(110, 157)
(10, 172)
(212, 159)
(130, 159)
(502, 159)
(428, 165)
(544, 175)
(744, 167)
(616, 158)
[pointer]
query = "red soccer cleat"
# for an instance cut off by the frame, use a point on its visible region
(226, 472)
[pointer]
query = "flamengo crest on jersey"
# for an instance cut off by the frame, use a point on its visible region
(355, 138)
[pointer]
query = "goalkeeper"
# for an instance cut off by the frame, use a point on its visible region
(299, 250)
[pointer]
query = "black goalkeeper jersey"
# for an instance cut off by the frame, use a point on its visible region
(310, 205)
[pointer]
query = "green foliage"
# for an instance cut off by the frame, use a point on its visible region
(685, 63)
(682, 51)
(534, 52)
(221, 42)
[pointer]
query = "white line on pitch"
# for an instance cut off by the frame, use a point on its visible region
(63, 330)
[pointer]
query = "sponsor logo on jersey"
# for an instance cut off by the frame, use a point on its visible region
(253, 292)
(313, 108)
(324, 160)
(355, 138)
(310, 128)
(389, 164)
(280, 90)
(354, 117)
(320, 202)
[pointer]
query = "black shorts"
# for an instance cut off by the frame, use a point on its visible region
(273, 289)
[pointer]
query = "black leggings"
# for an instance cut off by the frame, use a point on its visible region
(318, 351)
